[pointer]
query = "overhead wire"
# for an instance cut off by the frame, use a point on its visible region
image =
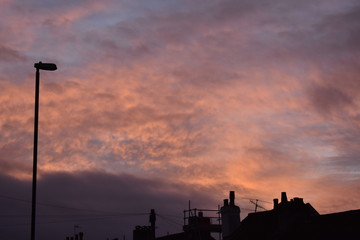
(169, 220)
(68, 218)
(74, 208)
(100, 214)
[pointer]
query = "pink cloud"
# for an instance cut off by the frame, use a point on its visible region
(236, 104)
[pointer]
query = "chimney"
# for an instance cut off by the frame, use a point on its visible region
(152, 220)
(232, 198)
(298, 201)
(283, 197)
(230, 216)
(276, 203)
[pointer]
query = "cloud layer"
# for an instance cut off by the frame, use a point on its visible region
(255, 97)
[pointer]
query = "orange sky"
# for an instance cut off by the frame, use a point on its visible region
(257, 97)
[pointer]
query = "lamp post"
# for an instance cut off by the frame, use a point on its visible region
(47, 67)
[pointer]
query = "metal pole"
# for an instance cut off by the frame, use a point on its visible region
(36, 119)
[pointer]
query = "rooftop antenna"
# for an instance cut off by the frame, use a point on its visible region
(255, 202)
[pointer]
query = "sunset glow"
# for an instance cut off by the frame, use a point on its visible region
(199, 97)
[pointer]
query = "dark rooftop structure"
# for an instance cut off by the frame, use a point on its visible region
(297, 220)
(288, 220)
(197, 226)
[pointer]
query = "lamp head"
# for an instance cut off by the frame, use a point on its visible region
(45, 66)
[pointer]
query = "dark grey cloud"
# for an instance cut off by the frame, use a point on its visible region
(327, 99)
(330, 46)
(342, 164)
(306, 35)
(37, 7)
(341, 30)
(10, 55)
(189, 36)
(103, 205)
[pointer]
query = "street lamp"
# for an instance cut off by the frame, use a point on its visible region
(47, 67)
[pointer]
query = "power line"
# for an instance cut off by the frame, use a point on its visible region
(169, 220)
(16, 199)
(78, 218)
(60, 221)
(63, 218)
(73, 208)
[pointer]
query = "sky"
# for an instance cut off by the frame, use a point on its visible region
(159, 102)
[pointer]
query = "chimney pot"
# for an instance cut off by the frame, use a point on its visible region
(283, 197)
(232, 198)
(276, 202)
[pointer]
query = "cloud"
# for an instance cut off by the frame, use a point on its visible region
(328, 99)
(99, 203)
(106, 204)
(10, 55)
(211, 95)
(346, 24)
(120, 130)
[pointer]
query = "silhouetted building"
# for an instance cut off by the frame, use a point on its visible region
(143, 233)
(79, 236)
(146, 232)
(198, 226)
(230, 216)
(341, 225)
(296, 220)
(288, 220)
(176, 236)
